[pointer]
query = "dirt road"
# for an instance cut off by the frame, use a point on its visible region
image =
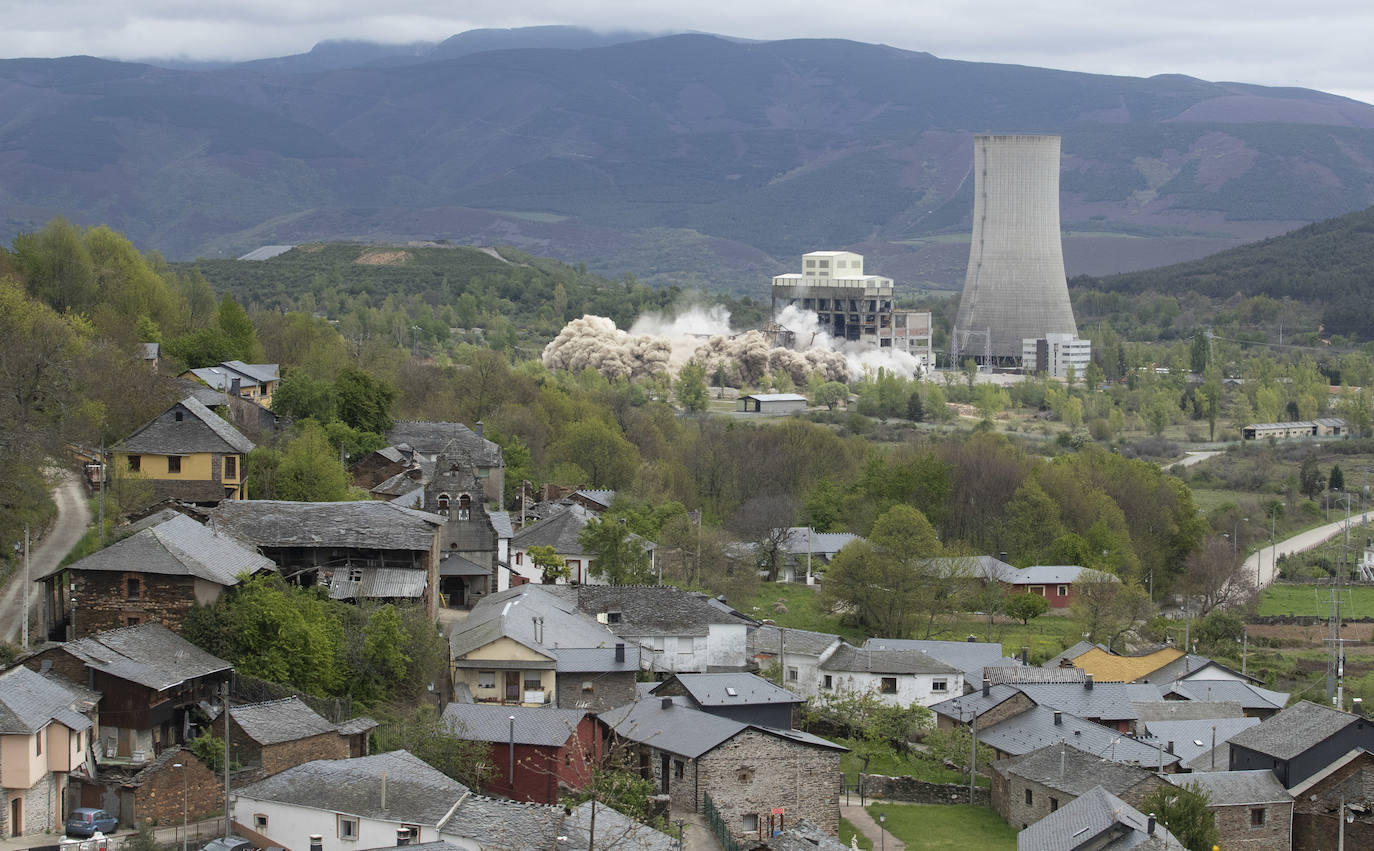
(73, 516)
(1264, 562)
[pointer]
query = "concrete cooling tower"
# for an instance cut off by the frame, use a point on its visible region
(1015, 286)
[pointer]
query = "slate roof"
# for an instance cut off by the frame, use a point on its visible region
(749, 690)
(847, 657)
(1192, 739)
(416, 793)
(1185, 664)
(602, 497)
(277, 721)
(149, 654)
(201, 431)
(596, 660)
(1297, 728)
(1111, 668)
(647, 610)
(559, 531)
(1108, 701)
(768, 639)
(30, 701)
(616, 831)
(356, 726)
(1035, 728)
(367, 524)
(971, 657)
(221, 376)
(500, 522)
(1018, 674)
(1049, 574)
(512, 613)
(1089, 816)
(1232, 788)
(503, 825)
(452, 564)
(1071, 653)
(824, 544)
(966, 706)
(686, 731)
(1300, 790)
(178, 546)
(1228, 691)
(983, 567)
(1143, 693)
(1066, 768)
(483, 722)
(1186, 710)
(432, 438)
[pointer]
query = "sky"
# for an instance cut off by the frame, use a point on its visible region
(1316, 44)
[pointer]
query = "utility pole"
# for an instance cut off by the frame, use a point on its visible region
(973, 772)
(101, 501)
(224, 691)
(26, 586)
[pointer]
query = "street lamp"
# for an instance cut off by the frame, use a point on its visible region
(183, 804)
(882, 834)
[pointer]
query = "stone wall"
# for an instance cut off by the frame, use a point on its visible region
(609, 690)
(279, 757)
(39, 808)
(159, 795)
(914, 791)
(754, 772)
(104, 601)
(1234, 826)
(1013, 806)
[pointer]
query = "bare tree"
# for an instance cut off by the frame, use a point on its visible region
(766, 519)
(1215, 576)
(1107, 609)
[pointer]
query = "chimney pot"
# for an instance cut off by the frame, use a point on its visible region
(987, 687)
(1025, 655)
(402, 836)
(480, 428)
(620, 652)
(1358, 706)
(1150, 825)
(235, 388)
(1058, 718)
(1168, 747)
(667, 703)
(316, 842)
(1088, 682)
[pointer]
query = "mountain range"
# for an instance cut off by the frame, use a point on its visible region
(688, 159)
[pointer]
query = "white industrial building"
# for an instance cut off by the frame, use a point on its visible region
(1055, 355)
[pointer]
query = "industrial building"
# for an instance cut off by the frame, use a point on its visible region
(1015, 288)
(1056, 354)
(851, 305)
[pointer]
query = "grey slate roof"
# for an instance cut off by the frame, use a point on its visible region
(802, 835)
(1294, 730)
(512, 613)
(1035, 728)
(966, 706)
(1068, 769)
(847, 657)
(1089, 816)
(971, 657)
(431, 438)
(1231, 788)
(30, 701)
(500, 522)
(277, 721)
(367, 524)
(688, 732)
(1185, 710)
(1228, 691)
(560, 531)
(602, 497)
(1145, 693)
(356, 726)
(452, 564)
(221, 376)
(1017, 674)
(1192, 739)
(616, 831)
(798, 542)
(416, 793)
(647, 609)
(769, 639)
(748, 689)
(502, 825)
(1108, 701)
(178, 546)
(596, 660)
(1182, 666)
(149, 654)
(200, 431)
(483, 722)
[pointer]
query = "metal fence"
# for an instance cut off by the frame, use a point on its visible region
(717, 825)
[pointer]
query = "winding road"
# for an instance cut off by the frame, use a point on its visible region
(73, 517)
(1264, 561)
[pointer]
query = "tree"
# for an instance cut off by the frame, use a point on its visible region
(310, 470)
(238, 329)
(1336, 481)
(426, 736)
(970, 369)
(551, 567)
(955, 747)
(766, 519)
(300, 397)
(830, 394)
(1183, 810)
(621, 556)
(915, 410)
(936, 405)
(1107, 609)
(364, 402)
(1311, 482)
(1215, 576)
(608, 459)
(691, 388)
(1025, 607)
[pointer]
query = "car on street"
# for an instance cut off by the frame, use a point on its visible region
(85, 821)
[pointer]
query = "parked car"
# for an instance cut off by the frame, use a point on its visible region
(87, 820)
(228, 843)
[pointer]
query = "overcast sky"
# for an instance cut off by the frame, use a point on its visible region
(1318, 44)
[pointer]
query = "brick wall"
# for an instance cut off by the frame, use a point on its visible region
(609, 690)
(919, 791)
(1234, 825)
(104, 603)
(159, 798)
(754, 772)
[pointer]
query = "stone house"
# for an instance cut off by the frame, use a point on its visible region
(1039, 726)
(426, 440)
(538, 756)
(1251, 808)
(747, 770)
(279, 734)
(155, 575)
(992, 704)
(45, 737)
(1108, 704)
(1341, 791)
(738, 696)
(1302, 740)
(898, 677)
(1097, 820)
(158, 790)
(1029, 787)
(358, 550)
(470, 545)
(804, 552)
(188, 453)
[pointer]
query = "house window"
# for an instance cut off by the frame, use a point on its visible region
(889, 685)
(486, 679)
(533, 684)
(1037, 589)
(231, 467)
(135, 463)
(613, 617)
(679, 769)
(1029, 797)
(939, 685)
(519, 558)
(259, 822)
(348, 827)
(1258, 816)
(180, 416)
(827, 682)
(174, 463)
(1062, 590)
(1054, 804)
(38, 743)
(750, 822)
(791, 674)
(133, 588)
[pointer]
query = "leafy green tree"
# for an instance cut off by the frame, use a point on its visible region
(238, 329)
(915, 410)
(936, 405)
(1025, 607)
(57, 267)
(887, 581)
(425, 735)
(830, 394)
(552, 568)
(955, 747)
(990, 400)
(621, 557)
(260, 469)
(1336, 481)
(1183, 810)
(364, 402)
(310, 470)
(283, 634)
(602, 452)
(210, 749)
(691, 388)
(299, 397)
(384, 644)
(1311, 482)
(1107, 609)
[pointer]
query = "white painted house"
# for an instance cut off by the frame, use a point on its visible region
(898, 677)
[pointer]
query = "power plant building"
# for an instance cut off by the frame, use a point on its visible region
(1055, 355)
(851, 305)
(1015, 288)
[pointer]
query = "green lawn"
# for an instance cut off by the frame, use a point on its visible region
(1357, 601)
(847, 831)
(892, 764)
(953, 827)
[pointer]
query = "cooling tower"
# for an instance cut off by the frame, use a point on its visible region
(1015, 286)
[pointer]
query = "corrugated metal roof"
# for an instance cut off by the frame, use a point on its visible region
(380, 583)
(544, 726)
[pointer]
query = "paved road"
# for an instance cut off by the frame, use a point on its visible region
(1191, 458)
(1264, 562)
(73, 517)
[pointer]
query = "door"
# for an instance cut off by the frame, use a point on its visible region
(513, 687)
(663, 772)
(16, 817)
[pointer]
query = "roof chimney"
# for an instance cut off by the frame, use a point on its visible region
(1168, 747)
(620, 652)
(667, 703)
(235, 389)
(1058, 717)
(1088, 682)
(316, 842)
(402, 836)
(1357, 706)
(1025, 655)
(987, 687)
(1002, 556)
(971, 639)
(480, 428)
(1150, 825)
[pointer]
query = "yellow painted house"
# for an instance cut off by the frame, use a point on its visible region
(189, 453)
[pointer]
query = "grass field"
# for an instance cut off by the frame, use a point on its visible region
(847, 832)
(1358, 601)
(954, 827)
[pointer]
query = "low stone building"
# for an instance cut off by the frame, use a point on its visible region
(748, 770)
(279, 734)
(1097, 821)
(1027, 788)
(1342, 790)
(158, 791)
(1251, 808)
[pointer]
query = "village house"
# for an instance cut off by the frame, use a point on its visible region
(1106, 667)
(739, 696)
(1255, 701)
(551, 751)
(188, 453)
(747, 771)
(1053, 582)
(1039, 726)
(561, 530)
(1108, 704)
(358, 550)
(1097, 820)
(157, 574)
(897, 677)
(1197, 742)
(805, 552)
(1300, 741)
(971, 656)
(426, 440)
(1335, 803)
(255, 381)
(992, 704)
(45, 737)
(1251, 809)
(796, 652)
(1029, 787)
(529, 647)
(279, 734)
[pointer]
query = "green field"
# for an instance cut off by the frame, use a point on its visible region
(1314, 600)
(892, 764)
(955, 827)
(847, 832)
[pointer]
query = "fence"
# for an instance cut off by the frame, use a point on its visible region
(717, 825)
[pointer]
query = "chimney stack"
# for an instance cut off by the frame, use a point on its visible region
(402, 836)
(1357, 706)
(620, 652)
(1088, 682)
(480, 428)
(667, 703)
(316, 842)
(235, 388)
(1025, 655)
(1168, 747)
(1058, 718)
(987, 687)
(1150, 825)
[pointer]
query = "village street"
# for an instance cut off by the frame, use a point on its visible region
(1264, 561)
(73, 516)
